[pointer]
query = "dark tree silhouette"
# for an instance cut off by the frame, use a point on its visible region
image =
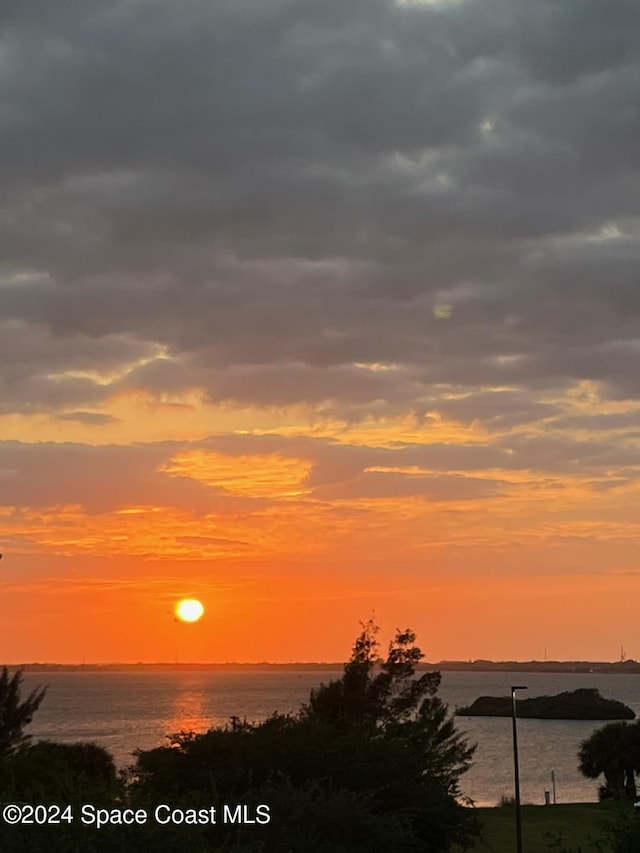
(370, 764)
(62, 771)
(15, 714)
(391, 696)
(613, 751)
(395, 703)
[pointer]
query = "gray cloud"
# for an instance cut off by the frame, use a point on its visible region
(106, 478)
(500, 409)
(101, 479)
(277, 192)
(396, 485)
(90, 418)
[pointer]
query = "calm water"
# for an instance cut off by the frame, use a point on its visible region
(125, 711)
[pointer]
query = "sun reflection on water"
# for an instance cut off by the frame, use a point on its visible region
(189, 713)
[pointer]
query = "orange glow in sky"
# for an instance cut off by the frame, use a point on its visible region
(281, 535)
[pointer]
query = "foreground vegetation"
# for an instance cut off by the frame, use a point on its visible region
(370, 765)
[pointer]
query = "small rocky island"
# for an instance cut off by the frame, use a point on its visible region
(583, 704)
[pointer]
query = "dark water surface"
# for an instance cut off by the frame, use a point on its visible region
(123, 711)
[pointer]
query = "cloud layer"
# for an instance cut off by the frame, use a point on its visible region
(273, 193)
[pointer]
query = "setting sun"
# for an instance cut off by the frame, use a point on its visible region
(189, 610)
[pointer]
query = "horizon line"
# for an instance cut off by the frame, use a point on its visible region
(264, 663)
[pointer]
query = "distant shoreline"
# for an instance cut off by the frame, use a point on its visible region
(628, 667)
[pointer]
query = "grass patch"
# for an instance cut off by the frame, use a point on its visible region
(566, 828)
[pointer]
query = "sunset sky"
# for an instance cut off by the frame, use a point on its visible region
(316, 310)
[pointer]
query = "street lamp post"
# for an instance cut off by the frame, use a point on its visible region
(515, 766)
